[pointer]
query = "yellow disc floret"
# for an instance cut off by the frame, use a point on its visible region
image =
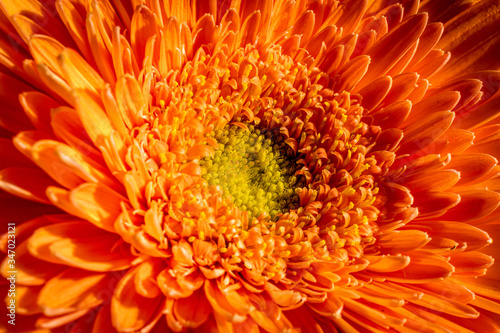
(254, 169)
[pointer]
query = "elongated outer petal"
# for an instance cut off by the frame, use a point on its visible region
(99, 204)
(402, 241)
(94, 119)
(45, 156)
(474, 204)
(471, 236)
(27, 183)
(473, 37)
(68, 127)
(387, 263)
(143, 27)
(77, 72)
(61, 295)
(398, 42)
(79, 245)
(440, 180)
(421, 269)
(45, 50)
(421, 134)
(30, 271)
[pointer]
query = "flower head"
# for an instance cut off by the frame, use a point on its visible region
(251, 166)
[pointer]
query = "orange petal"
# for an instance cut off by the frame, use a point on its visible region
(431, 204)
(462, 233)
(249, 29)
(220, 304)
(394, 115)
(419, 91)
(45, 49)
(77, 72)
(474, 204)
(75, 25)
(440, 180)
(471, 166)
(40, 14)
(450, 290)
(270, 317)
(398, 41)
(103, 320)
(480, 115)
(468, 89)
(130, 101)
(61, 199)
(439, 303)
(68, 127)
(179, 286)
(432, 63)
(481, 324)
(352, 73)
(472, 261)
(402, 241)
(183, 310)
(288, 299)
(422, 269)
(402, 86)
(457, 140)
(52, 322)
(98, 48)
(26, 300)
(387, 263)
(26, 183)
(126, 315)
(58, 88)
(427, 41)
(374, 93)
(473, 37)
(37, 106)
(349, 15)
(45, 155)
(45, 244)
(116, 118)
(143, 27)
(444, 101)
(434, 320)
(485, 303)
(422, 133)
(72, 290)
(98, 204)
(26, 27)
(94, 119)
(304, 27)
(30, 270)
(145, 278)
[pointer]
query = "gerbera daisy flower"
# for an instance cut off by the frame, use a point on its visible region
(250, 166)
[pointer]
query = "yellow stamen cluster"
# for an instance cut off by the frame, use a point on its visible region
(254, 169)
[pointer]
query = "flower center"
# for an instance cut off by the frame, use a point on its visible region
(255, 170)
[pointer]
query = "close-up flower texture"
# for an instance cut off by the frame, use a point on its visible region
(250, 166)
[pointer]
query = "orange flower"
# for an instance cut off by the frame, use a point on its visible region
(247, 166)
